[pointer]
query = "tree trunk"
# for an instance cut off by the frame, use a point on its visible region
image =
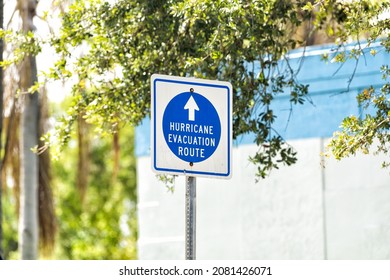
(83, 165)
(28, 221)
(47, 219)
(1, 129)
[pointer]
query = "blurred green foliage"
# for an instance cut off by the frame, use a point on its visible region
(104, 225)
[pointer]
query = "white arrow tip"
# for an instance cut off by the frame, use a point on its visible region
(191, 106)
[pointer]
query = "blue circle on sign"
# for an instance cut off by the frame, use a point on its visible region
(191, 127)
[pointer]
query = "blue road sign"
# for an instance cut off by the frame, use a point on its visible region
(191, 126)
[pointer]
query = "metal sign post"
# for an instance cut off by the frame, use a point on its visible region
(190, 236)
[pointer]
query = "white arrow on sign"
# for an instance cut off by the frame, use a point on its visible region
(191, 106)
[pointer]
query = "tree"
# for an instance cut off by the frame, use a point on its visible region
(125, 42)
(21, 77)
(29, 221)
(371, 128)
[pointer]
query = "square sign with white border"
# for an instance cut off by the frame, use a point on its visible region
(191, 126)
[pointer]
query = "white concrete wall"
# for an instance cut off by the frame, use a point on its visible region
(304, 211)
(358, 208)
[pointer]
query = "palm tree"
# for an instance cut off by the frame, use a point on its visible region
(28, 220)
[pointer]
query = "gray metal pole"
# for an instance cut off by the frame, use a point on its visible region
(190, 238)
